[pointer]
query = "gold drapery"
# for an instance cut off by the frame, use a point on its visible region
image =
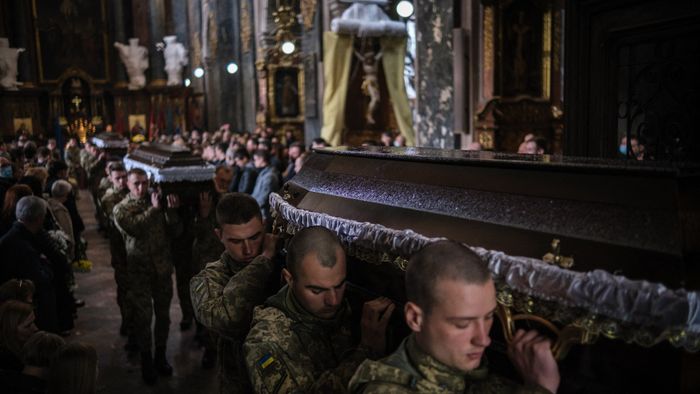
(337, 58)
(393, 55)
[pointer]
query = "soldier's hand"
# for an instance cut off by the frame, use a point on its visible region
(155, 200)
(375, 317)
(205, 203)
(270, 246)
(173, 201)
(532, 356)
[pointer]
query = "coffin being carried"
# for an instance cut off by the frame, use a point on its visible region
(112, 143)
(174, 169)
(593, 252)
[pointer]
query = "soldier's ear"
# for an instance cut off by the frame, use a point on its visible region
(414, 316)
(217, 231)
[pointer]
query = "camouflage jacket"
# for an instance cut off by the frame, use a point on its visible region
(206, 246)
(104, 185)
(223, 295)
(111, 198)
(410, 370)
(146, 232)
(288, 350)
(72, 156)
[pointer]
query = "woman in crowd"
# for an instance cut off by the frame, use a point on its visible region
(18, 290)
(13, 194)
(16, 326)
(74, 371)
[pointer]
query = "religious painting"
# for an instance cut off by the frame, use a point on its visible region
(137, 124)
(521, 54)
(23, 125)
(71, 33)
(286, 91)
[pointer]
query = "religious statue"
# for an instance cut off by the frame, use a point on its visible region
(8, 65)
(175, 58)
(370, 82)
(135, 59)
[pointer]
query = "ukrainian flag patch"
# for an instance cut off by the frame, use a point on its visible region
(265, 361)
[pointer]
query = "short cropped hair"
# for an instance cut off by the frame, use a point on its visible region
(137, 171)
(41, 349)
(30, 209)
(263, 154)
(318, 240)
(116, 166)
(237, 208)
(17, 289)
(60, 188)
(442, 260)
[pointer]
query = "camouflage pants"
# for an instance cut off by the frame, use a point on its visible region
(232, 371)
(184, 271)
(121, 275)
(149, 292)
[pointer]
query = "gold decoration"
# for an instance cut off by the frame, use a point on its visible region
(246, 29)
(489, 55)
(276, 115)
(308, 10)
(546, 54)
(554, 256)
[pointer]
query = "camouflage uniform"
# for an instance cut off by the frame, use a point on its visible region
(224, 295)
(185, 267)
(410, 370)
(116, 247)
(149, 267)
(102, 214)
(290, 350)
(206, 246)
(72, 157)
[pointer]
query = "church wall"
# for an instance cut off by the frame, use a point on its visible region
(311, 45)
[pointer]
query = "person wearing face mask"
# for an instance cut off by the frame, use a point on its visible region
(6, 175)
(451, 301)
(300, 339)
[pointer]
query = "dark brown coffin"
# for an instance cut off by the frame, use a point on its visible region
(636, 219)
(113, 144)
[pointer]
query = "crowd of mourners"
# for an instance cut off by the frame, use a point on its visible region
(272, 316)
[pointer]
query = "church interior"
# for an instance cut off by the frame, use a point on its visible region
(552, 140)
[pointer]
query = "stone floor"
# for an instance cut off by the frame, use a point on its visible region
(98, 325)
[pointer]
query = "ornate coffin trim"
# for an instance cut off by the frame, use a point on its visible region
(598, 302)
(173, 174)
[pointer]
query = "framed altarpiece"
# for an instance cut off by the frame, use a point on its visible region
(520, 73)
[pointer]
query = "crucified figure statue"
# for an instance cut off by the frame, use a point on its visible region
(370, 82)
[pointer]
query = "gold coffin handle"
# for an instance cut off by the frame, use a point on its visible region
(566, 337)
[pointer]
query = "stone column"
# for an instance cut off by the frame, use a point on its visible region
(246, 72)
(117, 10)
(434, 73)
(156, 62)
(311, 46)
(23, 39)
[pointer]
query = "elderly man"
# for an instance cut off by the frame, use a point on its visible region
(300, 339)
(451, 302)
(22, 260)
(60, 192)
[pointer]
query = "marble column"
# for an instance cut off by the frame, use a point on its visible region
(434, 73)
(246, 72)
(119, 34)
(23, 39)
(156, 62)
(311, 47)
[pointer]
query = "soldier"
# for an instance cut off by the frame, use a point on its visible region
(112, 197)
(149, 267)
(226, 291)
(300, 340)
(451, 303)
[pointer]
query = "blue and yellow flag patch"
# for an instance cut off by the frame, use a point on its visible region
(265, 361)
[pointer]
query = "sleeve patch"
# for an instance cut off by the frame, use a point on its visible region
(265, 361)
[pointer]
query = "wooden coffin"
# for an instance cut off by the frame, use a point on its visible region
(113, 144)
(173, 169)
(632, 225)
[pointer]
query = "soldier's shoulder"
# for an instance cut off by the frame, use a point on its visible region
(380, 377)
(271, 325)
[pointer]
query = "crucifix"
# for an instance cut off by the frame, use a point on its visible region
(76, 101)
